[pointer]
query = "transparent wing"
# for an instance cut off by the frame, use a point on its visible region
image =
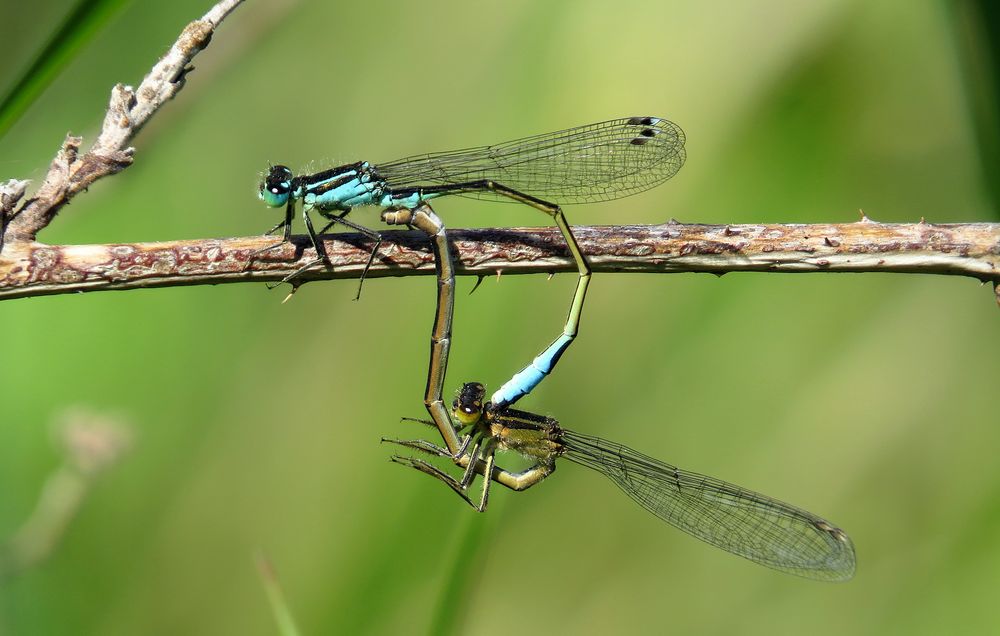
(597, 162)
(737, 520)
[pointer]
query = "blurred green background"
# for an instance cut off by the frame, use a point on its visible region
(868, 399)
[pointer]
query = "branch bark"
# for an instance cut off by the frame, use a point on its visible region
(965, 249)
(29, 268)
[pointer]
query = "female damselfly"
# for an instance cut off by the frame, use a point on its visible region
(740, 521)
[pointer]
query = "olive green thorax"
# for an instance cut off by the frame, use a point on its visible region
(529, 434)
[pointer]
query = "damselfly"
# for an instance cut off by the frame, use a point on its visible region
(740, 521)
(597, 162)
(745, 523)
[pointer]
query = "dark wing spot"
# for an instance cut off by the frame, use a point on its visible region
(641, 121)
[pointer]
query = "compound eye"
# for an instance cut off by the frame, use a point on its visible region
(467, 409)
(276, 187)
(279, 180)
(468, 406)
(467, 415)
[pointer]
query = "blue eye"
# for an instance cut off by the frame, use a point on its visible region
(276, 187)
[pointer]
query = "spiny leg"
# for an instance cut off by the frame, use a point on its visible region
(420, 445)
(333, 218)
(437, 473)
(459, 486)
(458, 429)
(375, 237)
(433, 449)
(286, 237)
(515, 481)
(430, 448)
(462, 441)
(472, 460)
(489, 454)
(484, 465)
(469, 459)
(418, 421)
(317, 245)
(285, 223)
(479, 449)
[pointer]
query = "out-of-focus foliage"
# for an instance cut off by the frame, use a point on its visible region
(868, 399)
(77, 29)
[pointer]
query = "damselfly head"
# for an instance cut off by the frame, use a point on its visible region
(276, 186)
(468, 406)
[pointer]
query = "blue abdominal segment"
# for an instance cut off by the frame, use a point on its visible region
(525, 380)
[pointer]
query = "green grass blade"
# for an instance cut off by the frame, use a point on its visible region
(459, 586)
(82, 23)
(276, 597)
(977, 37)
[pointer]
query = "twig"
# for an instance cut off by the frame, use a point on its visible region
(129, 110)
(11, 194)
(968, 249)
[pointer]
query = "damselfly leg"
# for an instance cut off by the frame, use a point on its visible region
(318, 245)
(480, 460)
